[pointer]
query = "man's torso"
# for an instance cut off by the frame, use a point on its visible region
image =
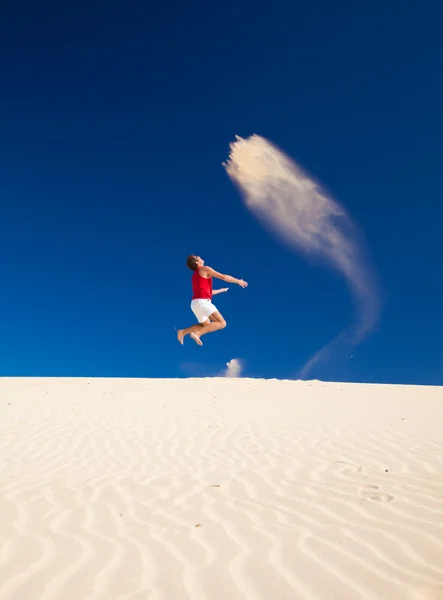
(201, 286)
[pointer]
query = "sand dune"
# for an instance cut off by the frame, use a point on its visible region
(219, 489)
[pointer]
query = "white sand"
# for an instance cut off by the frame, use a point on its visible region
(219, 489)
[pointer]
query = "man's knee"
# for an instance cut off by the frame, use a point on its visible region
(217, 318)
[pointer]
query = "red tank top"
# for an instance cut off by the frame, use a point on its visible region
(201, 287)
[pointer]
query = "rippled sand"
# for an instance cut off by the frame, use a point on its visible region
(219, 489)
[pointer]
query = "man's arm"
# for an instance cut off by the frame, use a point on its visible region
(214, 292)
(210, 272)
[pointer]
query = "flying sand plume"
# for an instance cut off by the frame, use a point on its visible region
(233, 368)
(285, 198)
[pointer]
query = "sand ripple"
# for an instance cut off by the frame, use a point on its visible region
(216, 488)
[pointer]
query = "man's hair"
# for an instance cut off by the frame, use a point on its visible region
(191, 263)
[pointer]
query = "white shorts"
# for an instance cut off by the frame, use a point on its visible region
(202, 309)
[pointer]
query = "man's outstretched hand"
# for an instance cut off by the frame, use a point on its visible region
(242, 283)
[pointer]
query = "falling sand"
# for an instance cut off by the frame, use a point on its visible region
(295, 207)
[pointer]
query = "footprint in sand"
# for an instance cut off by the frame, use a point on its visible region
(351, 467)
(377, 496)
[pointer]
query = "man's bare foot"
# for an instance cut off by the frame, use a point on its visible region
(196, 339)
(180, 335)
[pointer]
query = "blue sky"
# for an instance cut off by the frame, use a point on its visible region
(115, 119)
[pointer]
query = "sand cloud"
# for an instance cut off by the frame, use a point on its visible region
(234, 368)
(281, 195)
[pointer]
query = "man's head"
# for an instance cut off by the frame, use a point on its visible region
(194, 262)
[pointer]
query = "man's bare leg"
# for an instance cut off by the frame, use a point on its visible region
(217, 323)
(182, 332)
(213, 323)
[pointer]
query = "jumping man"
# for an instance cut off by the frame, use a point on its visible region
(208, 317)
